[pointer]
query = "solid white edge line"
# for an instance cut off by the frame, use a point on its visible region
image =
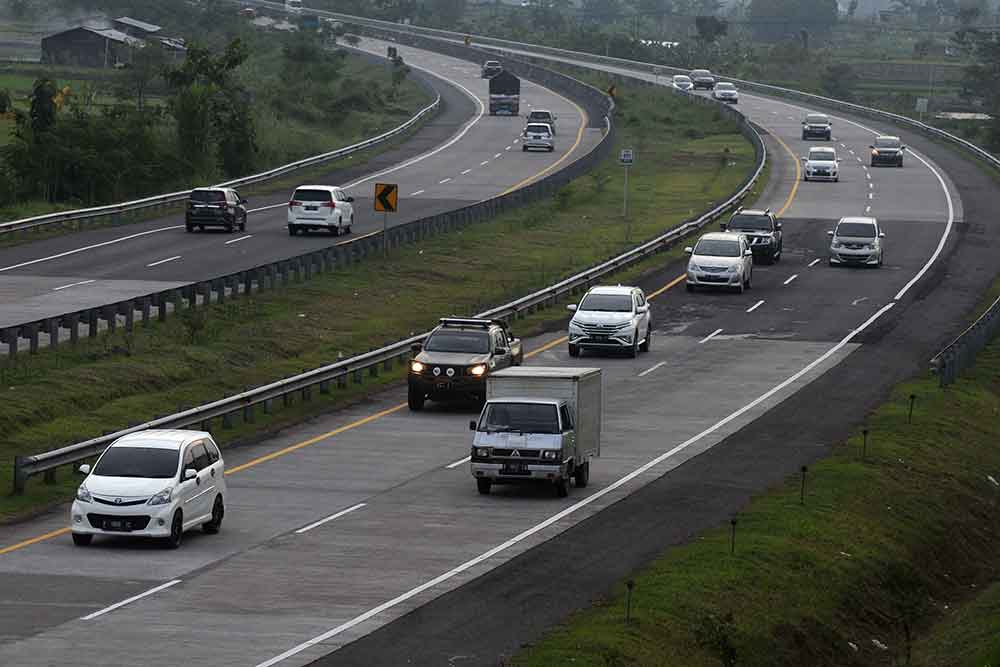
(458, 463)
(597, 495)
(758, 304)
(497, 155)
(163, 261)
(710, 336)
(465, 172)
(484, 163)
(132, 599)
(418, 192)
(82, 282)
(654, 368)
(815, 261)
(794, 276)
(306, 529)
(442, 182)
(242, 238)
(89, 247)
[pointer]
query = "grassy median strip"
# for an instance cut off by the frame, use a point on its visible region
(687, 158)
(884, 546)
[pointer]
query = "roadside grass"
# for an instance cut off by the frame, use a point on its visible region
(882, 547)
(66, 395)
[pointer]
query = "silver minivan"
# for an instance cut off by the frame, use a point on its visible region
(858, 241)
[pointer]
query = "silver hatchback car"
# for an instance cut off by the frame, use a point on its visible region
(856, 241)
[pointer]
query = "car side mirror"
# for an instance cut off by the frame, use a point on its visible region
(829, 233)
(501, 351)
(417, 348)
(777, 225)
(642, 310)
(190, 473)
(902, 148)
(881, 235)
(871, 146)
(84, 469)
(571, 307)
(803, 158)
(838, 160)
(689, 250)
(349, 200)
(748, 253)
(472, 425)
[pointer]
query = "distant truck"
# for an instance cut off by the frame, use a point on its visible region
(505, 94)
(310, 22)
(539, 425)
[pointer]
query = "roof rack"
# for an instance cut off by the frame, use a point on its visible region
(470, 322)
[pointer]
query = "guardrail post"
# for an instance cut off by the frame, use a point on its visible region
(248, 278)
(10, 336)
(227, 420)
(324, 387)
(92, 318)
(266, 406)
(73, 323)
(146, 308)
(129, 315)
(178, 300)
(110, 314)
(49, 476)
(357, 377)
(20, 476)
(221, 284)
(248, 414)
(52, 329)
(33, 337)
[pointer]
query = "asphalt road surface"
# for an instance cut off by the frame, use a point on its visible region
(737, 392)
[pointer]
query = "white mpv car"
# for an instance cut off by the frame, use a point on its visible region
(726, 92)
(321, 207)
(720, 259)
(611, 318)
(856, 240)
(822, 164)
(152, 484)
(538, 135)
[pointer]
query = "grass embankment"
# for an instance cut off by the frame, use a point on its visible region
(686, 158)
(883, 548)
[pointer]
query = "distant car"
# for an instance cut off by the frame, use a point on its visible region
(763, 232)
(720, 259)
(215, 207)
(293, 6)
(611, 318)
(887, 151)
(817, 126)
(726, 92)
(702, 78)
(152, 484)
(822, 164)
(490, 69)
(682, 82)
(456, 358)
(538, 135)
(320, 207)
(857, 241)
(543, 116)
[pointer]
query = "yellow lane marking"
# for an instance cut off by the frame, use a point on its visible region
(673, 283)
(547, 346)
(33, 540)
(798, 172)
(576, 144)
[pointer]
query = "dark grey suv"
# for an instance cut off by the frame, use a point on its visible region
(216, 207)
(762, 230)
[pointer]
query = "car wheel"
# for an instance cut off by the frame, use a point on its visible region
(633, 351)
(415, 399)
(749, 283)
(243, 224)
(349, 225)
(830, 262)
(201, 228)
(689, 287)
(189, 228)
(292, 230)
(741, 287)
(82, 540)
(574, 350)
(836, 179)
(483, 485)
(649, 339)
(805, 178)
(524, 149)
(218, 512)
(562, 487)
(582, 475)
(551, 148)
(230, 227)
(803, 136)
(176, 531)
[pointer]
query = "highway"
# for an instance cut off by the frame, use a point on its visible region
(461, 157)
(363, 531)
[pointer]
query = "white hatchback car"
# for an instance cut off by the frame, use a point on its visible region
(726, 92)
(152, 484)
(611, 318)
(320, 207)
(856, 240)
(538, 135)
(822, 164)
(720, 259)
(682, 82)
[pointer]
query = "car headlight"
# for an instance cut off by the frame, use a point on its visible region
(417, 367)
(83, 495)
(573, 326)
(163, 497)
(874, 152)
(482, 452)
(550, 454)
(693, 267)
(837, 244)
(479, 370)
(732, 269)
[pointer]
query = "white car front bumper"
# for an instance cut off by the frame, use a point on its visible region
(135, 520)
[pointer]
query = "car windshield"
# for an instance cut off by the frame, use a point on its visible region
(521, 418)
(537, 129)
(700, 73)
(885, 142)
(725, 86)
(208, 196)
(312, 195)
(817, 119)
(823, 155)
(860, 229)
(717, 248)
(470, 342)
(607, 303)
(540, 115)
(151, 462)
(757, 223)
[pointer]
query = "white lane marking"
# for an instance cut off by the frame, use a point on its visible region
(517, 141)
(868, 209)
(484, 163)
(507, 149)
(575, 507)
(443, 181)
(89, 247)
(851, 151)
(857, 301)
(418, 192)
(132, 599)
(871, 186)
(458, 463)
(858, 159)
(756, 305)
(82, 282)
(242, 238)
(794, 276)
(163, 261)
(465, 172)
(815, 261)
(871, 195)
(710, 336)
(654, 368)
(868, 175)
(843, 145)
(497, 155)
(306, 529)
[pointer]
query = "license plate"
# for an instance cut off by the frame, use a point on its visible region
(312, 208)
(514, 469)
(600, 339)
(114, 524)
(442, 385)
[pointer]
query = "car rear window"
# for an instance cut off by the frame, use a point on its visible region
(312, 195)
(717, 248)
(860, 229)
(147, 462)
(538, 129)
(208, 196)
(540, 115)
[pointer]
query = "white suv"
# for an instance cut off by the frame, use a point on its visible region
(152, 484)
(856, 241)
(320, 207)
(720, 259)
(611, 318)
(538, 135)
(822, 164)
(726, 92)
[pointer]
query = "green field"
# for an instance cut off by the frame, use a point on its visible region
(688, 158)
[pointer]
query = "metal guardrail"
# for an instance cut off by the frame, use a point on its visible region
(246, 402)
(113, 210)
(961, 353)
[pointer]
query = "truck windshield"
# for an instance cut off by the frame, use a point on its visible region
(474, 342)
(520, 418)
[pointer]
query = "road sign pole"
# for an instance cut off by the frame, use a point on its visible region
(385, 235)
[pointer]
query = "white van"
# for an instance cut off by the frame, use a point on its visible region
(293, 6)
(321, 207)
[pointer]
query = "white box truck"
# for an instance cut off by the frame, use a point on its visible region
(538, 425)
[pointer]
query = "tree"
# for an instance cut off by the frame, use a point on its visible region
(147, 67)
(773, 20)
(6, 104)
(852, 9)
(400, 71)
(710, 28)
(43, 105)
(839, 81)
(983, 76)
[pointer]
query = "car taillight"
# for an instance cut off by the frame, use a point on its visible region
(294, 203)
(329, 204)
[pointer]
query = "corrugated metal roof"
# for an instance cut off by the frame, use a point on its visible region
(141, 25)
(107, 33)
